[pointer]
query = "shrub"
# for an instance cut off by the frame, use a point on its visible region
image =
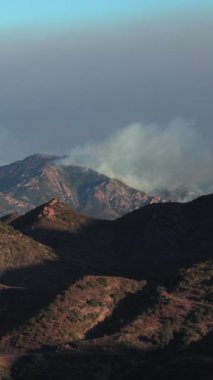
(94, 302)
(102, 281)
(74, 317)
(89, 284)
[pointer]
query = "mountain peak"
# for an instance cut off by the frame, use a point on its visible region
(40, 177)
(41, 156)
(51, 216)
(50, 209)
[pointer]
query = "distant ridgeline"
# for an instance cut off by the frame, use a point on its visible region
(37, 179)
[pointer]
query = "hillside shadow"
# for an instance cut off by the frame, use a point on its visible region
(120, 363)
(117, 248)
(34, 288)
(129, 308)
(28, 289)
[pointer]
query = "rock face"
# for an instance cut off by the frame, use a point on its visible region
(37, 179)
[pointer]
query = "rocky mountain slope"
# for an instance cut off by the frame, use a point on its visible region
(84, 298)
(37, 179)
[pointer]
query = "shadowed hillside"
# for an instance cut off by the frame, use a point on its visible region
(96, 299)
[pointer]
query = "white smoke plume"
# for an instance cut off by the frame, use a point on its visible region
(151, 157)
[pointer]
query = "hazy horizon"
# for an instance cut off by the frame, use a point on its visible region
(74, 75)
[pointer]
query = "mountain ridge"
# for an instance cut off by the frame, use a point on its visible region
(89, 298)
(37, 179)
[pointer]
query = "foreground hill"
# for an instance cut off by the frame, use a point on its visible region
(151, 241)
(20, 258)
(18, 251)
(37, 179)
(131, 298)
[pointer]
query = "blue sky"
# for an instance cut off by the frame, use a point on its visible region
(21, 13)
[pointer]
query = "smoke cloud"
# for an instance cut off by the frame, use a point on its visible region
(151, 157)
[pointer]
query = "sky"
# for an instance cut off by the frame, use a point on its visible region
(74, 73)
(22, 13)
